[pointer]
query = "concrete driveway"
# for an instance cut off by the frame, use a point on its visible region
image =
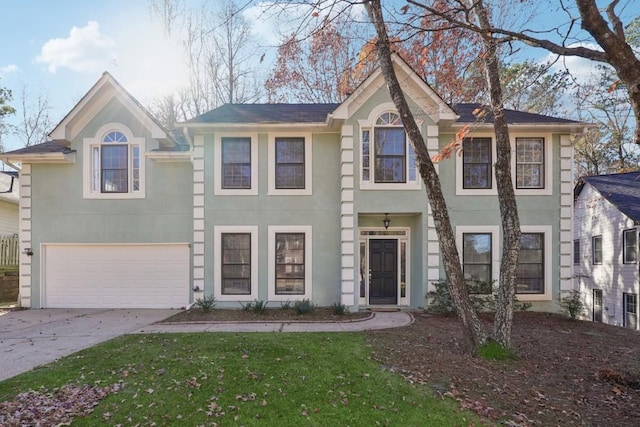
(29, 338)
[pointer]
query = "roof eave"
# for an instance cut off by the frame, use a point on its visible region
(69, 157)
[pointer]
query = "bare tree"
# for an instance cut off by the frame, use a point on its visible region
(607, 30)
(6, 96)
(35, 122)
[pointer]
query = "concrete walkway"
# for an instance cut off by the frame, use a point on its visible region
(378, 320)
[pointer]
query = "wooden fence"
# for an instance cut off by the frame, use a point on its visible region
(9, 248)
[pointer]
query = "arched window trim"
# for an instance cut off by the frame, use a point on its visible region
(114, 164)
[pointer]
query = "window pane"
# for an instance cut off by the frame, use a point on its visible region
(530, 271)
(236, 163)
(365, 155)
(630, 246)
(476, 163)
(596, 243)
(290, 267)
(290, 167)
(136, 167)
(114, 136)
(390, 169)
(236, 263)
(95, 177)
(477, 259)
(115, 169)
(363, 268)
(529, 162)
(576, 252)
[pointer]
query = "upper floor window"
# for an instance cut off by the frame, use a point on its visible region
(113, 165)
(387, 157)
(290, 168)
(476, 163)
(530, 163)
(236, 164)
(576, 252)
(596, 247)
(630, 246)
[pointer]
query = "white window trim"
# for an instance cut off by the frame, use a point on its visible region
(369, 124)
(308, 165)
(548, 263)
(548, 164)
(493, 191)
(217, 155)
(217, 261)
(494, 230)
(460, 191)
(308, 257)
(89, 143)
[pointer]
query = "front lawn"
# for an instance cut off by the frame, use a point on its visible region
(234, 379)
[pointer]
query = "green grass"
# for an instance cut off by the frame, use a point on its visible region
(492, 350)
(243, 379)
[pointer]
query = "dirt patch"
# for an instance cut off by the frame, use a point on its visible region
(268, 315)
(568, 372)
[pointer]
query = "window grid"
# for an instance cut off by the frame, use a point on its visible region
(477, 261)
(530, 163)
(236, 163)
(290, 263)
(530, 270)
(476, 163)
(114, 169)
(390, 155)
(236, 263)
(576, 252)
(596, 256)
(365, 156)
(630, 246)
(289, 163)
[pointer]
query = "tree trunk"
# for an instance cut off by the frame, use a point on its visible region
(506, 195)
(451, 260)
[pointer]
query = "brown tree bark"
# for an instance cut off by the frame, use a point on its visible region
(453, 269)
(506, 195)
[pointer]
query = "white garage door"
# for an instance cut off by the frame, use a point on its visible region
(116, 276)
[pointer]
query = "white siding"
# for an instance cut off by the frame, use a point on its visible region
(596, 216)
(8, 217)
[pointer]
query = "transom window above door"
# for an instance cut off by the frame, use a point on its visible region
(114, 164)
(387, 158)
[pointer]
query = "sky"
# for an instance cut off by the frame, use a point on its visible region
(60, 48)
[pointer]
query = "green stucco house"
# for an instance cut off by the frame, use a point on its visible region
(281, 202)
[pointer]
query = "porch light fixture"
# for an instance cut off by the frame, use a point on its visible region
(386, 221)
(28, 251)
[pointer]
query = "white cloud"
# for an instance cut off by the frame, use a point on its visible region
(8, 69)
(581, 69)
(85, 50)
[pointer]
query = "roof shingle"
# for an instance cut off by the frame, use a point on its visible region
(621, 189)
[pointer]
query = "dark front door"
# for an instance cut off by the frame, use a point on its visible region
(383, 264)
(597, 305)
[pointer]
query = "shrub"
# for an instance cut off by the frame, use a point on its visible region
(439, 300)
(285, 305)
(339, 309)
(206, 303)
(259, 306)
(572, 303)
(304, 307)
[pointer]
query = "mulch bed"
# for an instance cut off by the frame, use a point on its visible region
(320, 314)
(568, 372)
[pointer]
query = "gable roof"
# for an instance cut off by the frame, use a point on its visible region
(621, 189)
(466, 110)
(267, 113)
(105, 89)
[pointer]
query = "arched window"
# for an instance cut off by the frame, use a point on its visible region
(115, 165)
(385, 152)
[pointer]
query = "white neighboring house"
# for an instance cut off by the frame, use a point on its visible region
(9, 196)
(605, 247)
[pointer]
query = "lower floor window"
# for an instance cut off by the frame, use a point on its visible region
(630, 308)
(236, 263)
(530, 271)
(290, 265)
(477, 261)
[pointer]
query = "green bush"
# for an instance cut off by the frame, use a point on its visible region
(484, 298)
(572, 303)
(339, 309)
(304, 307)
(206, 303)
(285, 305)
(256, 306)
